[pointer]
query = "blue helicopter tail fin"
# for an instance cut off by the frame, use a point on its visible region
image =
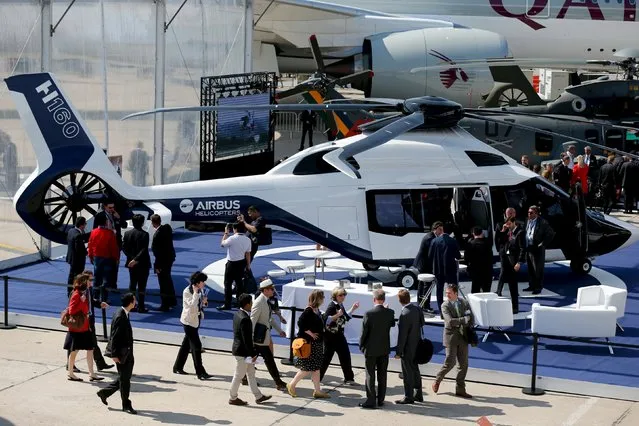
(60, 138)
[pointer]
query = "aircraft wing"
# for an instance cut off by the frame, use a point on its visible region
(288, 23)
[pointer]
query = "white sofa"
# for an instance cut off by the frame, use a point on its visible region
(603, 296)
(588, 322)
(491, 311)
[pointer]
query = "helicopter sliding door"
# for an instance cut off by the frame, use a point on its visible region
(399, 218)
(472, 207)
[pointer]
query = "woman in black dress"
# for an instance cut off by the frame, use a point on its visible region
(311, 328)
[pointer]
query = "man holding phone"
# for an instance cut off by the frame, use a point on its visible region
(238, 259)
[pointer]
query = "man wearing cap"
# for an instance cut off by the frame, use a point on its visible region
(262, 323)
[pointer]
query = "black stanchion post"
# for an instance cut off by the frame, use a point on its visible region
(104, 336)
(289, 361)
(6, 325)
(533, 390)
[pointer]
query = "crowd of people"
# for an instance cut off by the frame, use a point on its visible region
(603, 181)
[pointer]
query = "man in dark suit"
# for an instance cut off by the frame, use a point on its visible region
(375, 345)
(512, 254)
(307, 118)
(562, 174)
(411, 321)
(444, 254)
(243, 347)
(608, 184)
(539, 235)
(457, 318)
(423, 263)
(629, 179)
(120, 349)
(136, 248)
(76, 251)
(164, 254)
(479, 258)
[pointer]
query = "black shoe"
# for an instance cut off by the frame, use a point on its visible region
(538, 291)
(380, 404)
(404, 401)
(76, 369)
(142, 311)
(367, 406)
(180, 371)
(528, 289)
(204, 376)
(224, 308)
(164, 309)
(129, 410)
(515, 311)
(105, 367)
(102, 397)
(418, 398)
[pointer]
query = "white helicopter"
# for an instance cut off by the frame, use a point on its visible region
(370, 197)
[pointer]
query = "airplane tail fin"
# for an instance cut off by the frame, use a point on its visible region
(73, 175)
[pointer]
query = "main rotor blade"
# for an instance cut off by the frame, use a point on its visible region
(278, 107)
(317, 53)
(549, 132)
(585, 121)
(300, 88)
(337, 158)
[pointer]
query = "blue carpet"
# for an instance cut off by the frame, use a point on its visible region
(569, 360)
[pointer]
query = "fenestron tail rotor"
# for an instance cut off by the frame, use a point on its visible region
(72, 195)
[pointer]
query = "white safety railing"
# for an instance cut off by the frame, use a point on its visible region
(286, 121)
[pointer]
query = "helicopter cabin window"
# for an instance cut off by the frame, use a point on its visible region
(543, 142)
(314, 164)
(591, 135)
(397, 212)
(484, 159)
(614, 139)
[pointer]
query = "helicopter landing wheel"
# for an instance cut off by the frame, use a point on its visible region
(407, 279)
(581, 267)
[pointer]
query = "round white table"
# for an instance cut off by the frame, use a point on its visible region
(321, 255)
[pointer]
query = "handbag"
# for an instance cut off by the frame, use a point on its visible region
(73, 322)
(259, 333)
(425, 351)
(301, 348)
(249, 283)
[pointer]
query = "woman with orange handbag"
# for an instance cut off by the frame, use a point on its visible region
(79, 336)
(311, 328)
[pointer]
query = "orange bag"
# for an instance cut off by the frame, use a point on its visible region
(301, 348)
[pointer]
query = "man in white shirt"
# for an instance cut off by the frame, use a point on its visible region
(238, 260)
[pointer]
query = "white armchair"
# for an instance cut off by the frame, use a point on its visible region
(491, 311)
(602, 297)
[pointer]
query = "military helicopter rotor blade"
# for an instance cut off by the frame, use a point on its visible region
(549, 132)
(317, 53)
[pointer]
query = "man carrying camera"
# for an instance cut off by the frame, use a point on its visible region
(238, 259)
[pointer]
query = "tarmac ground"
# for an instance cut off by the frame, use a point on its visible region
(34, 390)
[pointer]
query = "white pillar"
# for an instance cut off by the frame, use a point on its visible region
(46, 43)
(248, 36)
(158, 119)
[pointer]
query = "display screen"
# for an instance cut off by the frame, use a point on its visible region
(243, 131)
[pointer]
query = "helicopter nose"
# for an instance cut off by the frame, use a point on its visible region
(607, 234)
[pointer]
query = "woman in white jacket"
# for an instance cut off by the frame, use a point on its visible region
(192, 314)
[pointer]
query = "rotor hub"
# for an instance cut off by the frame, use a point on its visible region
(438, 112)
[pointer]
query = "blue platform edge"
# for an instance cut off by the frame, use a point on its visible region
(557, 359)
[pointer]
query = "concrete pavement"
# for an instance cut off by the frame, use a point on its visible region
(34, 390)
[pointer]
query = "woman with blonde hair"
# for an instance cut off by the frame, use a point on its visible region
(580, 174)
(311, 328)
(80, 337)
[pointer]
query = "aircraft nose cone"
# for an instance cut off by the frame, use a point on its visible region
(607, 234)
